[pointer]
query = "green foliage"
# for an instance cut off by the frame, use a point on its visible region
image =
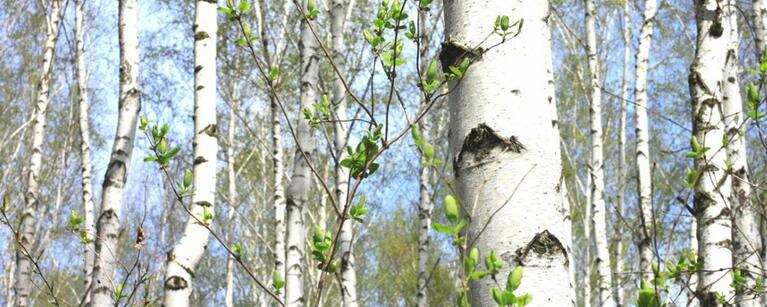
(234, 13)
(492, 264)
(158, 143)
(207, 216)
(697, 151)
(321, 243)
(311, 9)
(74, 221)
(457, 221)
(6, 202)
(322, 109)
(358, 210)
(504, 28)
(359, 162)
(277, 282)
(237, 250)
(506, 297)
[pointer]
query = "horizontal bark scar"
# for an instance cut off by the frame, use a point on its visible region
(544, 244)
(176, 283)
(482, 144)
(452, 54)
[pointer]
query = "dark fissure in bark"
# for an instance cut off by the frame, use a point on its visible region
(452, 54)
(483, 143)
(543, 243)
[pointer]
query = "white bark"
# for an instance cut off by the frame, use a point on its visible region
(596, 165)
(621, 169)
(26, 229)
(644, 173)
(502, 130)
(85, 151)
(746, 239)
(232, 199)
(346, 236)
(300, 182)
(713, 186)
(183, 259)
(759, 18)
(108, 224)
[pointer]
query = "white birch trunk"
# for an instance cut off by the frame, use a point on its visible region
(424, 199)
(644, 173)
(746, 238)
(85, 151)
(713, 186)
(759, 18)
(183, 259)
(596, 165)
(621, 169)
(502, 130)
(346, 236)
(108, 223)
(26, 229)
(232, 199)
(298, 189)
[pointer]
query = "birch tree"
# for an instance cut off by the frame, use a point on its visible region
(108, 224)
(503, 134)
(712, 185)
(26, 231)
(621, 169)
(183, 258)
(759, 18)
(346, 236)
(85, 151)
(644, 173)
(596, 165)
(746, 238)
(300, 182)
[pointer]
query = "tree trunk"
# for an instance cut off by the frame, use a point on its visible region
(759, 11)
(644, 173)
(621, 170)
(596, 165)
(85, 152)
(300, 182)
(185, 255)
(108, 224)
(346, 236)
(746, 239)
(232, 198)
(26, 235)
(713, 186)
(503, 134)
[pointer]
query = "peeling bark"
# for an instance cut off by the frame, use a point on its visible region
(186, 254)
(713, 186)
(502, 135)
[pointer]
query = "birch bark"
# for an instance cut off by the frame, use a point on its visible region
(644, 173)
(746, 239)
(26, 235)
(621, 170)
(85, 151)
(108, 223)
(300, 182)
(713, 186)
(183, 258)
(502, 133)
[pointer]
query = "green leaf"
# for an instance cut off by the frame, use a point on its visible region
(514, 279)
(150, 159)
(451, 208)
(446, 229)
(187, 179)
(225, 11)
(498, 296)
(524, 299)
(277, 281)
(244, 6)
(273, 73)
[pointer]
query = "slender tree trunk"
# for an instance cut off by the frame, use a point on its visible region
(693, 282)
(346, 236)
(300, 182)
(596, 165)
(424, 199)
(183, 259)
(232, 198)
(713, 186)
(621, 170)
(644, 173)
(108, 224)
(85, 152)
(759, 18)
(503, 135)
(26, 235)
(746, 239)
(278, 169)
